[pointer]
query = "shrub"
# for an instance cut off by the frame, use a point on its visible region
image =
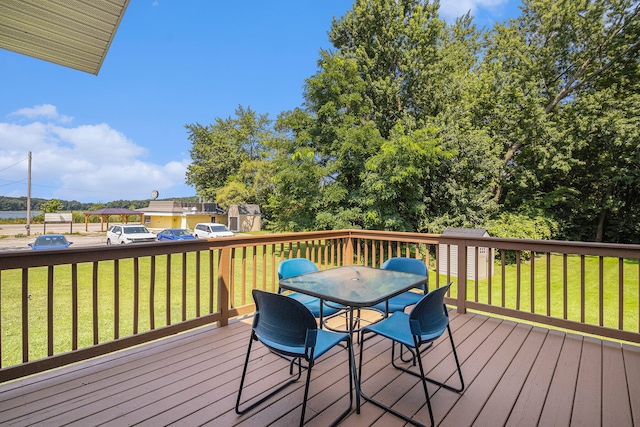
(521, 226)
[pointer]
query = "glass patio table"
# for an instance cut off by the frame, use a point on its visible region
(353, 286)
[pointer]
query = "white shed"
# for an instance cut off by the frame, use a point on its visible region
(485, 255)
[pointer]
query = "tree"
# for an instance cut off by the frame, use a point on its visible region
(393, 192)
(51, 206)
(536, 65)
(221, 150)
(602, 191)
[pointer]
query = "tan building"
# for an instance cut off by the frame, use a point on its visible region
(161, 214)
(244, 218)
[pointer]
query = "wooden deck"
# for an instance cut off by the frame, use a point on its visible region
(515, 374)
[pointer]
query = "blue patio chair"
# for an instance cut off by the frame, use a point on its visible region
(295, 267)
(409, 298)
(427, 321)
(288, 328)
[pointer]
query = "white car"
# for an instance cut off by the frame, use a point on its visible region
(129, 233)
(205, 230)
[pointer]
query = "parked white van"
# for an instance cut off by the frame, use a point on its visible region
(206, 230)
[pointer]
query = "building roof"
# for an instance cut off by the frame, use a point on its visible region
(249, 209)
(76, 34)
(468, 232)
(174, 207)
(112, 211)
(163, 206)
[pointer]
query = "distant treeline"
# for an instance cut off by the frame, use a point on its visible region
(20, 204)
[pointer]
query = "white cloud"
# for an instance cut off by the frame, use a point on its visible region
(46, 111)
(86, 163)
(452, 9)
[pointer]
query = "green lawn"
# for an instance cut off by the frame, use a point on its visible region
(573, 289)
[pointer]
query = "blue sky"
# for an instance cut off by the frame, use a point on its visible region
(121, 135)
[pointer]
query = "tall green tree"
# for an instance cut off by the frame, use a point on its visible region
(395, 47)
(230, 158)
(536, 65)
(371, 114)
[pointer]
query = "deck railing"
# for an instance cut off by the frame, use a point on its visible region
(64, 306)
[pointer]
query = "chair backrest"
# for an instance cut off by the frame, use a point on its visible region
(430, 316)
(283, 321)
(295, 266)
(407, 265)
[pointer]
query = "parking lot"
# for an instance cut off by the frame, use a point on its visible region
(13, 236)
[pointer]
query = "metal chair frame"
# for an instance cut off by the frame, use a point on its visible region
(289, 329)
(421, 333)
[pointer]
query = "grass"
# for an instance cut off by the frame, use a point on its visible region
(243, 279)
(611, 294)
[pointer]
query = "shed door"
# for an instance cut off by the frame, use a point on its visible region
(233, 223)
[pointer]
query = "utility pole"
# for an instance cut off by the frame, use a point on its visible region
(28, 226)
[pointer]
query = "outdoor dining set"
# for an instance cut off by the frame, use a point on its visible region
(299, 324)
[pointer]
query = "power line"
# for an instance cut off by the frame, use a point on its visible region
(12, 182)
(8, 167)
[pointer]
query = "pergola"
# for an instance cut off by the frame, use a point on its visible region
(105, 213)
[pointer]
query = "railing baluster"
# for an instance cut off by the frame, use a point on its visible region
(198, 291)
(264, 270)
(518, 281)
(168, 290)
(152, 292)
(74, 306)
(136, 294)
(243, 275)
(231, 281)
(548, 254)
(25, 315)
(212, 280)
(184, 286)
(503, 262)
(491, 262)
(273, 269)
(621, 294)
(532, 282)
(50, 310)
(94, 290)
(448, 263)
(476, 270)
(582, 289)
(600, 290)
(116, 299)
(366, 252)
(565, 293)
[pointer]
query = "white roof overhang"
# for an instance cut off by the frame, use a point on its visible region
(73, 33)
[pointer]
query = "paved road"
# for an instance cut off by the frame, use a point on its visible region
(14, 236)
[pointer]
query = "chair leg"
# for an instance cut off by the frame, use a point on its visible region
(424, 384)
(273, 392)
(441, 384)
(306, 395)
(380, 404)
(351, 389)
(352, 383)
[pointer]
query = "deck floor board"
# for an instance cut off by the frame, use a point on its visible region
(515, 374)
